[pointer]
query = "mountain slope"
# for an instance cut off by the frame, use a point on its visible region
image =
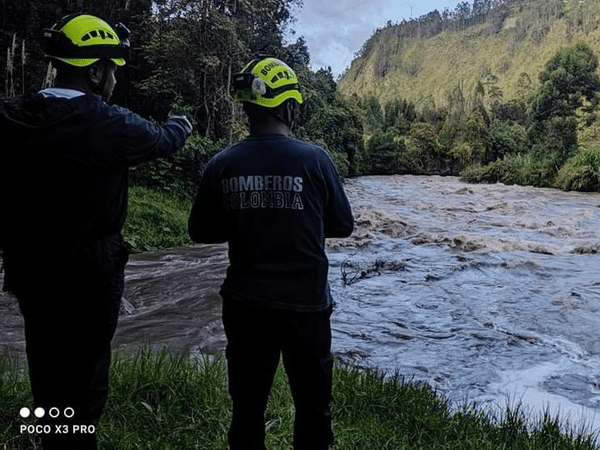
(505, 49)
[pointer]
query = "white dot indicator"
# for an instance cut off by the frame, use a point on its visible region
(24, 412)
(69, 412)
(39, 412)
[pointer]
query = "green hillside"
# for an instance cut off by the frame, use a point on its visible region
(505, 49)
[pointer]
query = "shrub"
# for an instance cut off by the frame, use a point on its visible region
(385, 154)
(179, 174)
(581, 172)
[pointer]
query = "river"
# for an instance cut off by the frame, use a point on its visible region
(490, 293)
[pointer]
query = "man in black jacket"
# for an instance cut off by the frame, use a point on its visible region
(274, 199)
(64, 181)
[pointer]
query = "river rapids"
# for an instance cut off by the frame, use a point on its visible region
(489, 293)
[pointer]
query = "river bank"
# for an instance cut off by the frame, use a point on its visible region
(163, 401)
(488, 293)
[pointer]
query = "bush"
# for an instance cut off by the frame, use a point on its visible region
(178, 175)
(581, 172)
(386, 154)
(495, 172)
(521, 169)
(530, 170)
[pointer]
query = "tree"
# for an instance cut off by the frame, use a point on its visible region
(569, 82)
(399, 114)
(339, 127)
(23, 21)
(385, 153)
(424, 149)
(373, 114)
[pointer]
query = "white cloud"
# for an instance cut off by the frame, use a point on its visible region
(336, 30)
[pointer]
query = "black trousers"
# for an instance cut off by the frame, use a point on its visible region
(70, 313)
(256, 337)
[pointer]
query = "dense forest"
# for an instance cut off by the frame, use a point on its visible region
(496, 90)
(185, 51)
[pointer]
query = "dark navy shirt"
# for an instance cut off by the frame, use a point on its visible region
(274, 199)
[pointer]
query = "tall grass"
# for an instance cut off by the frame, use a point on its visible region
(156, 220)
(581, 172)
(163, 401)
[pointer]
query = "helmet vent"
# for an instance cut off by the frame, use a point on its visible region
(94, 34)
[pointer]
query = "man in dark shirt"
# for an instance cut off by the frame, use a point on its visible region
(274, 199)
(63, 185)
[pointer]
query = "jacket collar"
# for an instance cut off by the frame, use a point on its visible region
(61, 93)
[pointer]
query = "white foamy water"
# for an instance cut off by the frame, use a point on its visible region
(490, 293)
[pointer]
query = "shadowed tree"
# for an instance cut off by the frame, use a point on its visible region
(569, 82)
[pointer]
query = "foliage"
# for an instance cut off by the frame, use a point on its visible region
(185, 52)
(318, 88)
(521, 169)
(581, 172)
(473, 146)
(399, 114)
(23, 22)
(476, 134)
(340, 129)
(569, 81)
(169, 401)
(178, 175)
(327, 120)
(156, 220)
(386, 154)
(506, 138)
(221, 36)
(424, 147)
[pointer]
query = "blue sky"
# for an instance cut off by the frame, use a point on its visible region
(336, 30)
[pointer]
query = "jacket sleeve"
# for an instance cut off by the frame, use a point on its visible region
(130, 140)
(207, 223)
(337, 217)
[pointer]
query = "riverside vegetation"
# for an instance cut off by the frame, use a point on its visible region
(497, 91)
(539, 129)
(162, 401)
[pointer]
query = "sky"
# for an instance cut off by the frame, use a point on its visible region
(336, 30)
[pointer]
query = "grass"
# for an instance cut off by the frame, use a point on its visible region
(163, 401)
(156, 220)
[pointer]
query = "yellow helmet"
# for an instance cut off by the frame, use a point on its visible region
(266, 82)
(81, 40)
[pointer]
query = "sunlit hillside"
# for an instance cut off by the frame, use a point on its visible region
(505, 48)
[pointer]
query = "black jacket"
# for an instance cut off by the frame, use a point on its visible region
(64, 168)
(274, 199)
